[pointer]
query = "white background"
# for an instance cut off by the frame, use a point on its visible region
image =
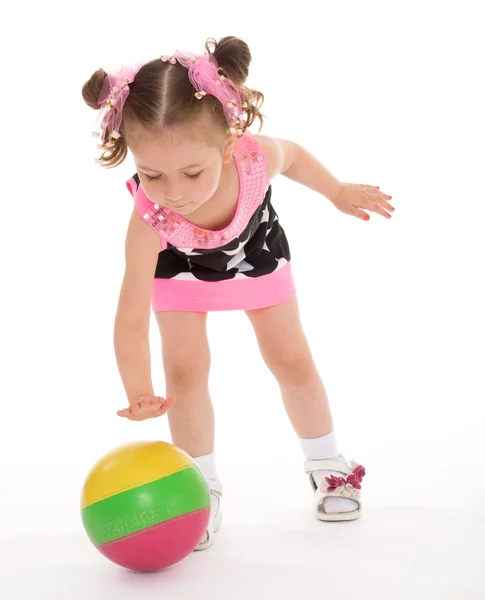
(388, 94)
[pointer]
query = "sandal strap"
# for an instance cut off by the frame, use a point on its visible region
(340, 465)
(208, 541)
(215, 487)
(320, 496)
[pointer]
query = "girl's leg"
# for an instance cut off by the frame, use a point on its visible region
(186, 361)
(286, 352)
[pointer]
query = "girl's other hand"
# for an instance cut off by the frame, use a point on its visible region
(355, 198)
(147, 407)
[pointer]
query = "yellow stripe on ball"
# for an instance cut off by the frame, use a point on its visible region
(130, 466)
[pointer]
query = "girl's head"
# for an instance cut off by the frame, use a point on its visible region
(179, 142)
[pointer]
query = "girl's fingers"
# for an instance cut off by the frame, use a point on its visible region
(169, 402)
(380, 211)
(370, 202)
(156, 403)
(360, 214)
(381, 198)
(165, 406)
(386, 205)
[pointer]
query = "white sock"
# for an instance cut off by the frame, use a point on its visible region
(319, 448)
(322, 448)
(207, 465)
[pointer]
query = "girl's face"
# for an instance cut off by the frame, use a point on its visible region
(177, 168)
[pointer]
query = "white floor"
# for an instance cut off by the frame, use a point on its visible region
(390, 553)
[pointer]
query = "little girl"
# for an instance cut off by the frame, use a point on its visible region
(204, 236)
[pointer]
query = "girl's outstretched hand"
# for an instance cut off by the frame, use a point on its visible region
(354, 197)
(147, 407)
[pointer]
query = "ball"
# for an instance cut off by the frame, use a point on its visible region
(146, 505)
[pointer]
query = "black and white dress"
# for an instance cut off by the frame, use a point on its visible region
(244, 266)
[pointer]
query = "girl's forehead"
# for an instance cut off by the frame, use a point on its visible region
(170, 144)
(164, 155)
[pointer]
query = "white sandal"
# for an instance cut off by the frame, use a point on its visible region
(347, 486)
(216, 489)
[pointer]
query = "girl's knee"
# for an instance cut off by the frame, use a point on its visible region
(290, 366)
(185, 348)
(186, 371)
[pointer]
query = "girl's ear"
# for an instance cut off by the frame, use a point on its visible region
(228, 147)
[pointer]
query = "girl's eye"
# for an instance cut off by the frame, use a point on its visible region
(196, 176)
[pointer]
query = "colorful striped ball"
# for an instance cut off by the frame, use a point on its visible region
(145, 505)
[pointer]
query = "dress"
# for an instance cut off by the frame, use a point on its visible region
(244, 266)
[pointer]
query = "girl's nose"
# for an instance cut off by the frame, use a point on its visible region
(175, 198)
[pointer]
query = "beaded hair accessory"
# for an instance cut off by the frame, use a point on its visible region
(204, 76)
(111, 99)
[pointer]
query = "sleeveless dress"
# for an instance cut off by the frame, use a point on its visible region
(244, 266)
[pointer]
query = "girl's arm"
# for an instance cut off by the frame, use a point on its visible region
(295, 162)
(292, 160)
(131, 331)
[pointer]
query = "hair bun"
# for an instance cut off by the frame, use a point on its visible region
(92, 88)
(233, 56)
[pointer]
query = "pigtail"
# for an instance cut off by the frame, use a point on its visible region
(90, 93)
(234, 57)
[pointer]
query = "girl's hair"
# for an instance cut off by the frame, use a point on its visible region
(162, 95)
